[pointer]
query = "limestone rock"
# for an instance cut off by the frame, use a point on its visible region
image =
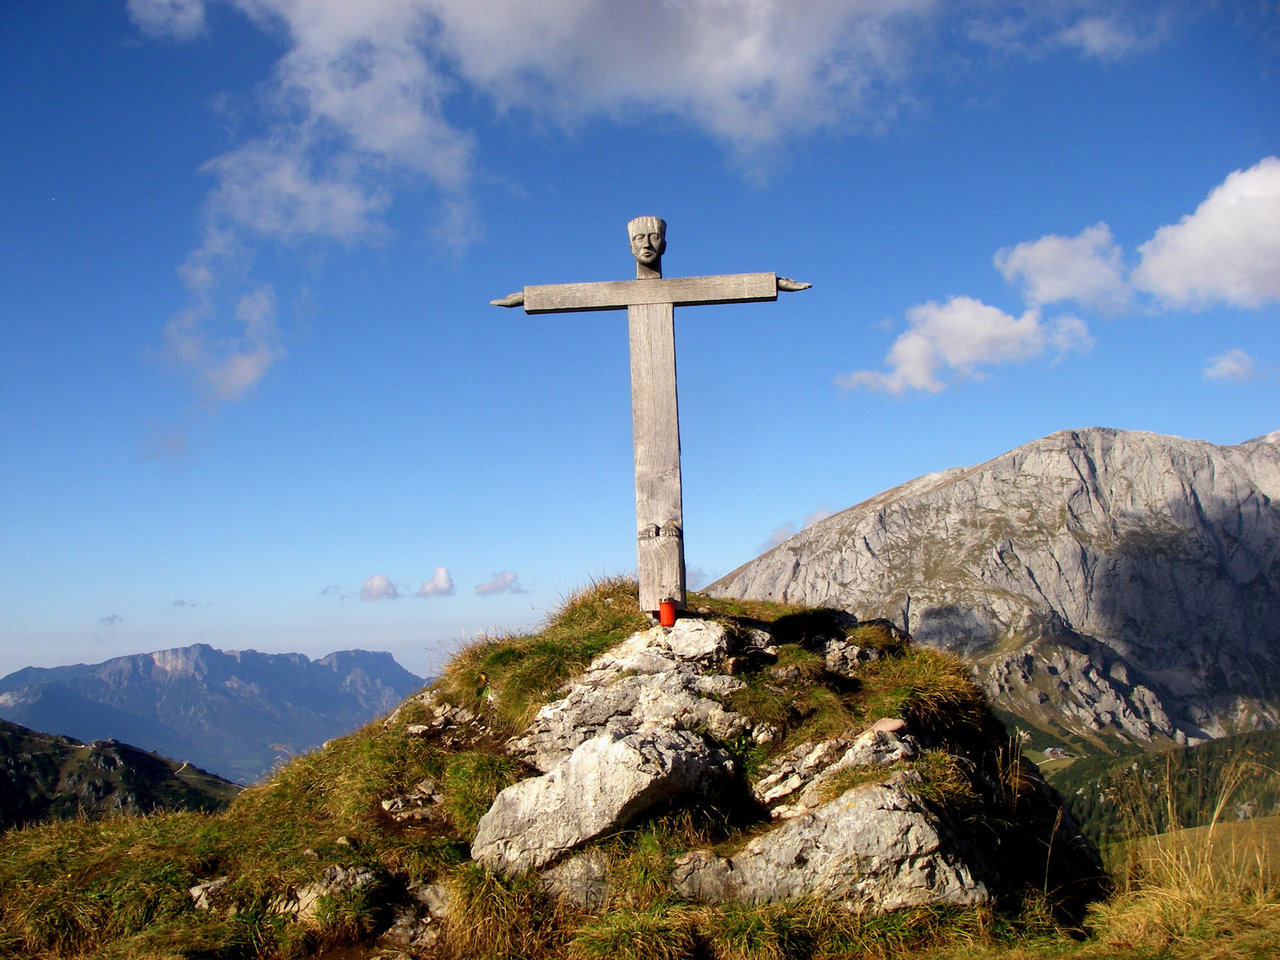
(420, 803)
(799, 777)
(1120, 582)
(581, 879)
(204, 896)
(655, 675)
(874, 846)
(602, 785)
(304, 902)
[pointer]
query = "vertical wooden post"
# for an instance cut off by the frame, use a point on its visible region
(656, 430)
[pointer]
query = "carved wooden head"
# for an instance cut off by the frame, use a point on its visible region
(648, 236)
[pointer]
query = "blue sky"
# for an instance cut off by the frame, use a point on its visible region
(253, 393)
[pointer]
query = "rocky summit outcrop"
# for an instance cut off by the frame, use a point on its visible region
(874, 813)
(1101, 582)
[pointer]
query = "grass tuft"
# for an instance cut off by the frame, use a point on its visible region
(472, 779)
(514, 676)
(657, 932)
(495, 918)
(931, 690)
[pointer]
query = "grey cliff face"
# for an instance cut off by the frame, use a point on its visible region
(1126, 581)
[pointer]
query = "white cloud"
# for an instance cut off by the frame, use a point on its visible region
(1086, 268)
(1103, 37)
(379, 587)
(813, 516)
(361, 104)
(504, 582)
(179, 19)
(1102, 31)
(787, 530)
(780, 534)
(1235, 365)
(227, 359)
(1227, 251)
(965, 335)
(440, 585)
(361, 97)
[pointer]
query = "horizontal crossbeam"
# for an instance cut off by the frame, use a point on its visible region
(678, 291)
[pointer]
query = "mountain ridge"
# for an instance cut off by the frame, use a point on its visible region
(47, 776)
(236, 713)
(1126, 577)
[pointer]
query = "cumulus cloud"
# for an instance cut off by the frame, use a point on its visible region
(1086, 268)
(965, 336)
(440, 585)
(359, 107)
(379, 587)
(1235, 365)
(504, 582)
(1227, 251)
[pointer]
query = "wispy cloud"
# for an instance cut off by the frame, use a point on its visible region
(504, 582)
(440, 585)
(227, 359)
(357, 110)
(176, 19)
(788, 530)
(1234, 365)
(1226, 253)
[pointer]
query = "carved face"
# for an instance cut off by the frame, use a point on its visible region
(648, 239)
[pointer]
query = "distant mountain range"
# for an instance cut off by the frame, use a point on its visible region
(1104, 584)
(47, 777)
(236, 713)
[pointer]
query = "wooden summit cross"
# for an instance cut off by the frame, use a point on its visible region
(650, 301)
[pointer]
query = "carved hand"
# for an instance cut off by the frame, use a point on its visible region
(786, 284)
(514, 300)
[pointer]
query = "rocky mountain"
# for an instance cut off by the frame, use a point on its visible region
(45, 777)
(1103, 583)
(237, 713)
(857, 770)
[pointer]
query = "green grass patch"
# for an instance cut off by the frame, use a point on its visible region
(472, 779)
(656, 932)
(931, 690)
(514, 676)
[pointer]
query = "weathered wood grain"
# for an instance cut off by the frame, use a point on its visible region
(656, 426)
(678, 291)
